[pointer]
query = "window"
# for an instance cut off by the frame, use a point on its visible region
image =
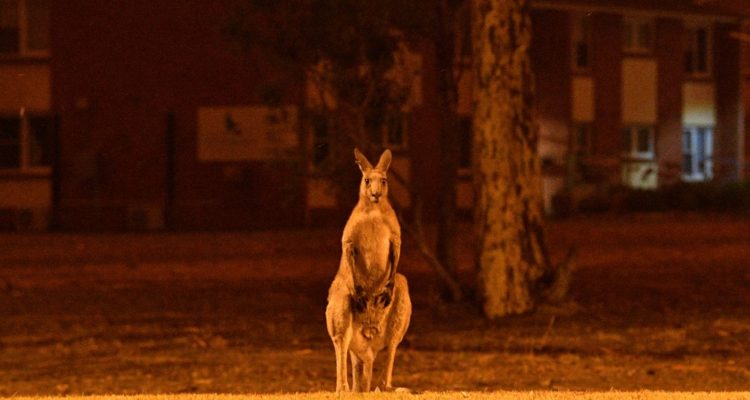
(464, 125)
(395, 131)
(697, 149)
(638, 35)
(638, 142)
(581, 42)
(24, 27)
(320, 141)
(10, 143)
(697, 51)
(9, 30)
(582, 138)
(25, 142)
(745, 49)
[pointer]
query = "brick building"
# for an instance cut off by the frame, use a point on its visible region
(642, 93)
(143, 116)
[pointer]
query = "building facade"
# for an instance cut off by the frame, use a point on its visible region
(146, 117)
(641, 94)
(26, 115)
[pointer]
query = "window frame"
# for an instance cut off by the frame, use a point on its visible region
(705, 160)
(692, 29)
(23, 36)
(25, 165)
(631, 26)
(632, 151)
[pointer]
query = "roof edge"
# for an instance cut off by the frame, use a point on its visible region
(636, 10)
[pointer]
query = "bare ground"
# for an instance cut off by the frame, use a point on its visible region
(500, 395)
(658, 302)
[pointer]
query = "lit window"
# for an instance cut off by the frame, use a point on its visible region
(24, 27)
(637, 35)
(638, 142)
(697, 51)
(697, 150)
(581, 42)
(25, 142)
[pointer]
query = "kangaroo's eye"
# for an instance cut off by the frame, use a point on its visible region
(383, 181)
(367, 181)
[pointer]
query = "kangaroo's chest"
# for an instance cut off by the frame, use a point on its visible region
(371, 237)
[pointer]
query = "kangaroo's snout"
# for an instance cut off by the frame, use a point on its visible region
(374, 186)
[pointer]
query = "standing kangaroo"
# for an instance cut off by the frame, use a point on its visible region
(368, 303)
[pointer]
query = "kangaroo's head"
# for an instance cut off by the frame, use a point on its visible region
(374, 184)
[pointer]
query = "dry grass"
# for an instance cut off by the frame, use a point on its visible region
(658, 303)
(509, 395)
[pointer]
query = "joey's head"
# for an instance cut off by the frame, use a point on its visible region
(370, 309)
(374, 184)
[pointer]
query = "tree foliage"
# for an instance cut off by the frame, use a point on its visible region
(354, 55)
(345, 53)
(350, 56)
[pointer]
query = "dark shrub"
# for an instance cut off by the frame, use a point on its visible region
(700, 196)
(643, 200)
(596, 203)
(734, 197)
(562, 204)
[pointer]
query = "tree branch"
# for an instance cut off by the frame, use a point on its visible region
(417, 233)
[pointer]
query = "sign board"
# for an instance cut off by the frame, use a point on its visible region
(242, 133)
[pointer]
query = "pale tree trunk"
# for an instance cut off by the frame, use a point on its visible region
(511, 250)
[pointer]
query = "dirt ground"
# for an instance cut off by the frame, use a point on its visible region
(658, 302)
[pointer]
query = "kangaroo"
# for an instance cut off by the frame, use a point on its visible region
(368, 302)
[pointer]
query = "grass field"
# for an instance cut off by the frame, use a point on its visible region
(658, 302)
(530, 395)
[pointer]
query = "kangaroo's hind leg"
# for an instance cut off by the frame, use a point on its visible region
(339, 324)
(357, 372)
(387, 374)
(341, 345)
(398, 324)
(367, 363)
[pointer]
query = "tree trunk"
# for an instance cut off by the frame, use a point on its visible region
(511, 249)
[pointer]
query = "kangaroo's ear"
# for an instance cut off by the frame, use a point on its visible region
(385, 161)
(361, 161)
